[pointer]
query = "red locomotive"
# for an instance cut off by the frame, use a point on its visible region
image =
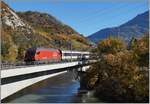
(43, 54)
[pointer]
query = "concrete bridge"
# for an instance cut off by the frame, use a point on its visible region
(14, 80)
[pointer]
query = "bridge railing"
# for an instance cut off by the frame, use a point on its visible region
(20, 64)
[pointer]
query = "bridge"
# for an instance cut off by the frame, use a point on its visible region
(14, 80)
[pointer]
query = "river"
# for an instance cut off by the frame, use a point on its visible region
(59, 89)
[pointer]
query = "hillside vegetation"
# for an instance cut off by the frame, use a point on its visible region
(121, 73)
(45, 22)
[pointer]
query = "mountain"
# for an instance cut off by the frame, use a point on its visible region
(22, 30)
(133, 28)
(46, 22)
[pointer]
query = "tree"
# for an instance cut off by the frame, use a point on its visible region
(21, 53)
(111, 45)
(12, 55)
(141, 51)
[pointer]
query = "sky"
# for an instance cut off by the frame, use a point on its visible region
(85, 16)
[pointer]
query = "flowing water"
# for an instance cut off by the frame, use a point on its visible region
(59, 89)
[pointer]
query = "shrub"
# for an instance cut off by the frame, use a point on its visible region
(141, 51)
(21, 53)
(12, 55)
(111, 45)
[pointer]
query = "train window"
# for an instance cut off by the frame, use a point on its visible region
(73, 54)
(66, 54)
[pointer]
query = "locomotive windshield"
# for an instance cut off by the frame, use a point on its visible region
(30, 54)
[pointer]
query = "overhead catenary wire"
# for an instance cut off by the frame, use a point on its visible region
(97, 13)
(108, 14)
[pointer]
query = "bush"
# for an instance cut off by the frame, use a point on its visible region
(111, 45)
(141, 51)
(21, 53)
(12, 55)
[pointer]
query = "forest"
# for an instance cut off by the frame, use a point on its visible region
(121, 72)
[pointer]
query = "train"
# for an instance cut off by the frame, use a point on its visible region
(53, 55)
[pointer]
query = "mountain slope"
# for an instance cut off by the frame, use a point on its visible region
(46, 22)
(33, 29)
(133, 28)
(58, 33)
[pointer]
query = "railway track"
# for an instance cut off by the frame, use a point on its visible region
(23, 64)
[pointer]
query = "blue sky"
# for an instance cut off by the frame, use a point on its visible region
(85, 16)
